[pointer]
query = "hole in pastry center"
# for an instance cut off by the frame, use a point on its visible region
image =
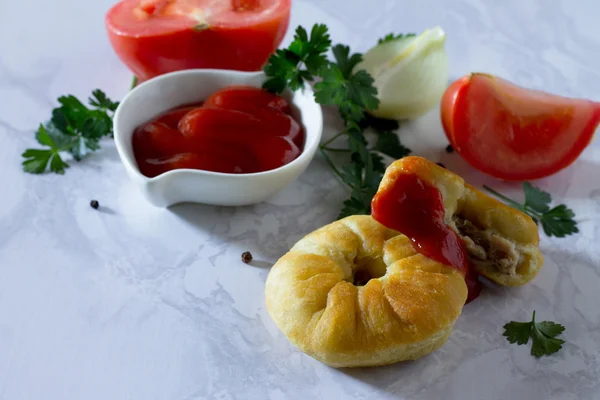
(487, 249)
(361, 277)
(366, 269)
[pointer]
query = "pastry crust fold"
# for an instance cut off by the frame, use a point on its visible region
(502, 242)
(405, 310)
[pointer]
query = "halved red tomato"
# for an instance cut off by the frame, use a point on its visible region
(153, 37)
(514, 133)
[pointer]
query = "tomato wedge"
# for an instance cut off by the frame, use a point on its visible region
(514, 133)
(153, 37)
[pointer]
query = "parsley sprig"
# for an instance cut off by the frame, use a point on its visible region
(300, 62)
(74, 128)
(543, 334)
(390, 37)
(353, 93)
(556, 221)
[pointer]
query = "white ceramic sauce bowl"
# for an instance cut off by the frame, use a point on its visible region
(168, 91)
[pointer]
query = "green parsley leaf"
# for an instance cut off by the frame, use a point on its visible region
(543, 334)
(379, 124)
(378, 164)
(352, 95)
(536, 198)
(57, 165)
(362, 91)
(37, 160)
(389, 144)
(285, 67)
(351, 175)
(544, 341)
(558, 221)
(517, 332)
(100, 100)
(390, 37)
(550, 329)
(344, 60)
(69, 118)
(352, 92)
(353, 206)
(73, 128)
(58, 139)
(276, 84)
(134, 82)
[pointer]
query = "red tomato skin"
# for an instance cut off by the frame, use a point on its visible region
(219, 47)
(447, 106)
(456, 122)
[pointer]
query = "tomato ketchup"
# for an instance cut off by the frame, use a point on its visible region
(415, 208)
(237, 130)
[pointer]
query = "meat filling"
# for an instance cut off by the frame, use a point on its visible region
(487, 249)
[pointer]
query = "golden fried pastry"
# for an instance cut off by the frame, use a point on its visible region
(355, 293)
(500, 241)
(359, 293)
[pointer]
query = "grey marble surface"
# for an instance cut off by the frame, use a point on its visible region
(135, 302)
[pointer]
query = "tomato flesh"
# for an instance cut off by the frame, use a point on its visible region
(513, 133)
(153, 37)
(219, 139)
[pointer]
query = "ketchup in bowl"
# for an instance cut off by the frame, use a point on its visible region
(237, 130)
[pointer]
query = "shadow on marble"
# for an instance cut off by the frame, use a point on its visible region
(202, 216)
(260, 264)
(107, 210)
(574, 181)
(397, 379)
(98, 160)
(579, 179)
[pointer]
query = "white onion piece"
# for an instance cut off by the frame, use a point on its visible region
(411, 74)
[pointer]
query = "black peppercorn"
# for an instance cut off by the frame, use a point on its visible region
(94, 204)
(441, 165)
(449, 149)
(246, 257)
